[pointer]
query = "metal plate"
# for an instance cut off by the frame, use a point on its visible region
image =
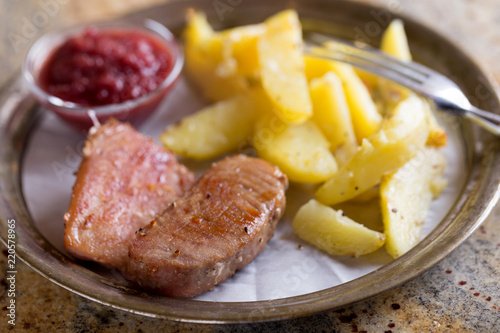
(19, 114)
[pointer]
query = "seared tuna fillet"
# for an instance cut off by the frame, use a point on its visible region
(123, 182)
(219, 226)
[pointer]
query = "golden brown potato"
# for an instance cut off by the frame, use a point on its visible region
(406, 196)
(301, 151)
(394, 43)
(400, 138)
(282, 67)
(364, 114)
(221, 64)
(333, 232)
(216, 129)
(331, 114)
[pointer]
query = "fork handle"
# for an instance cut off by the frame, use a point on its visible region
(487, 120)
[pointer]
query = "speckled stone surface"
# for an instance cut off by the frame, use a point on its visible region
(461, 294)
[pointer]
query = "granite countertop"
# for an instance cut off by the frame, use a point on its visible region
(461, 294)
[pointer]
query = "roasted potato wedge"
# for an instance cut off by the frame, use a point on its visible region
(399, 140)
(221, 64)
(394, 43)
(333, 232)
(282, 67)
(216, 129)
(406, 196)
(240, 48)
(365, 117)
(331, 114)
(301, 151)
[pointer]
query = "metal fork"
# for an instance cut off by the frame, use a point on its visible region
(443, 92)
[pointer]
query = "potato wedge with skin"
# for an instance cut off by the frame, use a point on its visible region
(399, 140)
(239, 47)
(394, 43)
(282, 67)
(316, 68)
(333, 232)
(406, 196)
(221, 64)
(365, 117)
(364, 113)
(216, 129)
(332, 115)
(301, 151)
(198, 30)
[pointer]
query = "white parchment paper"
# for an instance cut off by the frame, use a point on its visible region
(283, 269)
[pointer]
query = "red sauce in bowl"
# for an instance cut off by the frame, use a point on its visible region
(120, 69)
(102, 67)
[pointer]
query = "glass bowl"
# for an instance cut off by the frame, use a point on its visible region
(77, 115)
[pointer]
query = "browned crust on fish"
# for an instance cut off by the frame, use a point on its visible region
(219, 226)
(123, 182)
